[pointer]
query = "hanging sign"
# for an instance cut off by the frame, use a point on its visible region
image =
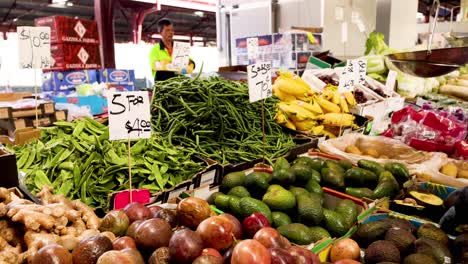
(180, 55)
(353, 73)
(129, 115)
(259, 79)
(34, 47)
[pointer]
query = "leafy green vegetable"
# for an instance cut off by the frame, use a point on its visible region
(78, 160)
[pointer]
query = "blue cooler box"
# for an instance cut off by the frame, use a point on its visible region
(63, 83)
(97, 104)
(119, 79)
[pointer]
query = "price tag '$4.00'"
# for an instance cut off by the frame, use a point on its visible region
(129, 115)
(259, 79)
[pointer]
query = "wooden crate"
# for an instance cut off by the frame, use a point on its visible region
(42, 109)
(21, 136)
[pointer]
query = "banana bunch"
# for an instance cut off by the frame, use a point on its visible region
(288, 87)
(301, 109)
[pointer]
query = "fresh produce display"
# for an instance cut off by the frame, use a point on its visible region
(291, 198)
(303, 110)
(28, 227)
(216, 239)
(457, 87)
(428, 130)
(391, 240)
(378, 65)
(455, 169)
(455, 107)
(78, 160)
(213, 117)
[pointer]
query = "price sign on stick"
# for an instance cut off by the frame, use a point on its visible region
(129, 118)
(252, 48)
(259, 78)
(180, 55)
(34, 47)
(129, 115)
(353, 73)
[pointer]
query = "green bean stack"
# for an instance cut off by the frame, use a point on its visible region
(214, 118)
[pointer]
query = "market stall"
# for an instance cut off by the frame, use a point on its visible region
(310, 160)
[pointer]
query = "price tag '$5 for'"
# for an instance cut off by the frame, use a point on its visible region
(129, 115)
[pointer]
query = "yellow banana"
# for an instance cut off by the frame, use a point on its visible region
(306, 125)
(350, 98)
(337, 120)
(328, 95)
(313, 108)
(343, 105)
(292, 86)
(328, 106)
(328, 134)
(336, 97)
(295, 112)
(281, 95)
(289, 125)
(280, 117)
(317, 130)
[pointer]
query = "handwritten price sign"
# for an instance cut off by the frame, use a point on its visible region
(259, 77)
(129, 115)
(353, 73)
(34, 47)
(180, 57)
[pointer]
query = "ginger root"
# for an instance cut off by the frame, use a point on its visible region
(10, 254)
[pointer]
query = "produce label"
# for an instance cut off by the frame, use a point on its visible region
(129, 115)
(180, 56)
(252, 48)
(34, 47)
(353, 73)
(391, 80)
(259, 76)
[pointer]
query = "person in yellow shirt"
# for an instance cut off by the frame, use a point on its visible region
(161, 53)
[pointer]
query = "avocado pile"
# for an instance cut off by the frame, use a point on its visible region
(292, 198)
(392, 240)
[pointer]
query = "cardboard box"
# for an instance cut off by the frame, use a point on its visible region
(97, 104)
(74, 57)
(57, 81)
(120, 79)
(70, 30)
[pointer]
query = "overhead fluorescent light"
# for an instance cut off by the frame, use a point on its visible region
(199, 13)
(57, 1)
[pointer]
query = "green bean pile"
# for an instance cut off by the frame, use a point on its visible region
(78, 160)
(214, 118)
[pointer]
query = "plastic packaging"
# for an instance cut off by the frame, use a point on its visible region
(429, 130)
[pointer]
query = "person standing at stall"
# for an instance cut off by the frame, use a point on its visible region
(161, 53)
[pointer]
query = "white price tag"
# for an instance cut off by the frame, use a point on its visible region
(129, 115)
(259, 76)
(252, 48)
(313, 81)
(180, 55)
(34, 47)
(353, 73)
(344, 32)
(391, 80)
